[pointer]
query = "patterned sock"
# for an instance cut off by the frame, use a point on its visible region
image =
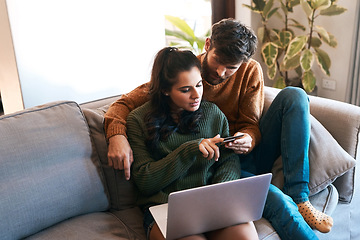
(315, 218)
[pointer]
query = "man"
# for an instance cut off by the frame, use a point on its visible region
(234, 82)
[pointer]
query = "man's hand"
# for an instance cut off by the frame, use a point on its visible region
(209, 149)
(241, 145)
(120, 155)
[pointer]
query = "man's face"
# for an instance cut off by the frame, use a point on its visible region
(214, 71)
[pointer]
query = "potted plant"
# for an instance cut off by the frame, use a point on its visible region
(185, 36)
(290, 52)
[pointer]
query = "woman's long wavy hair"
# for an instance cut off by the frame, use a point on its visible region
(168, 64)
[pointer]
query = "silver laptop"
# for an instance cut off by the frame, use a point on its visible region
(211, 207)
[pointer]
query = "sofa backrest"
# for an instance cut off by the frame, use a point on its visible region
(328, 112)
(49, 170)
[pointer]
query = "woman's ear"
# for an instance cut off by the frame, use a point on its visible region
(165, 93)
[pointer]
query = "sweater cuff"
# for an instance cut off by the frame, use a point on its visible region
(115, 130)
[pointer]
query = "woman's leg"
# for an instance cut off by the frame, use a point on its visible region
(194, 237)
(245, 231)
(155, 233)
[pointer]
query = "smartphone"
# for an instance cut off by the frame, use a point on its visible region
(232, 138)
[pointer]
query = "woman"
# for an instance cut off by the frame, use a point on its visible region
(172, 137)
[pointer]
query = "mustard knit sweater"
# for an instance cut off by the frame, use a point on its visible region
(178, 164)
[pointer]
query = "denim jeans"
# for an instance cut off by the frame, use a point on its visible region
(285, 130)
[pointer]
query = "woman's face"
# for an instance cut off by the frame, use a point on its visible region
(187, 92)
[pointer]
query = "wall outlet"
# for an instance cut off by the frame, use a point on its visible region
(329, 84)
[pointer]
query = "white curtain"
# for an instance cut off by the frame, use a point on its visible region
(353, 86)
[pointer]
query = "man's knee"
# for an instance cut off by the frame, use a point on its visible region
(277, 201)
(295, 94)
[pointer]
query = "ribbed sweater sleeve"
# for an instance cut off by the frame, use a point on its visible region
(115, 117)
(227, 168)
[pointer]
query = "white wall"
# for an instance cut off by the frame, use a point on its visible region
(342, 27)
(81, 50)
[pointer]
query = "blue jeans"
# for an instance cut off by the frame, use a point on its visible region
(285, 130)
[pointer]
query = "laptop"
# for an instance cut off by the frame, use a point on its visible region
(203, 209)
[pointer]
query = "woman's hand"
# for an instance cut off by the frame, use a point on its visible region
(209, 149)
(241, 145)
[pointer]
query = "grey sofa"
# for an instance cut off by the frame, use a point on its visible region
(55, 182)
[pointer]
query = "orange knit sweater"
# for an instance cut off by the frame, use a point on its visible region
(241, 98)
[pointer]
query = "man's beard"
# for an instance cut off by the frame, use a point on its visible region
(206, 73)
(205, 69)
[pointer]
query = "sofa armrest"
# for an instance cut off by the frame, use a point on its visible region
(341, 119)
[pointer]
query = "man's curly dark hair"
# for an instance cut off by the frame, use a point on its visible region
(233, 41)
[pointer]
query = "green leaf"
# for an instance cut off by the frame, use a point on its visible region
(179, 35)
(200, 42)
(333, 10)
(274, 34)
(259, 4)
(285, 38)
(272, 12)
(293, 3)
(295, 46)
(248, 6)
(297, 24)
(308, 81)
(279, 83)
(261, 34)
(323, 60)
(181, 25)
(306, 60)
(333, 42)
(298, 71)
(290, 63)
(284, 8)
(271, 71)
(322, 33)
(254, 9)
(315, 42)
(320, 4)
(269, 4)
(306, 7)
(278, 15)
(269, 52)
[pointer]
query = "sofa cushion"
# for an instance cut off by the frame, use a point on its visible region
(47, 169)
(265, 230)
(126, 224)
(123, 193)
(327, 160)
(326, 200)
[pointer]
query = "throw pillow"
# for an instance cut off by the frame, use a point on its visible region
(122, 192)
(327, 160)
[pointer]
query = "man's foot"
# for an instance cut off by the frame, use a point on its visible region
(315, 218)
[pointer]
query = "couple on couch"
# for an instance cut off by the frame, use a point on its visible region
(164, 137)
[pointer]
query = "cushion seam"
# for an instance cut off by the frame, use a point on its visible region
(40, 108)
